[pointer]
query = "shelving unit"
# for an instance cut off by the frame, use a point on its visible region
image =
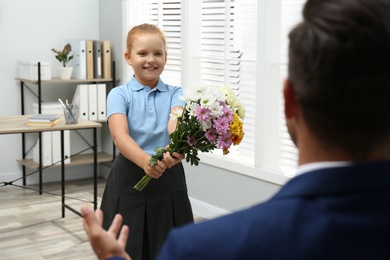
(77, 159)
(17, 125)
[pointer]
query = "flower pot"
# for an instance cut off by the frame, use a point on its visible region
(66, 72)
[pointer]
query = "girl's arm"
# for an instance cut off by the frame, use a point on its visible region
(168, 160)
(172, 123)
(129, 148)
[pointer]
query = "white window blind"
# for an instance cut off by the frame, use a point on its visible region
(291, 15)
(228, 48)
(167, 16)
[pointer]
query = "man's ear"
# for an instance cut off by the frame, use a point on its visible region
(290, 101)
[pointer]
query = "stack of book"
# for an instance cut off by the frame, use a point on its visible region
(43, 120)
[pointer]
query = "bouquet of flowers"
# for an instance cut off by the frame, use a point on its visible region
(212, 118)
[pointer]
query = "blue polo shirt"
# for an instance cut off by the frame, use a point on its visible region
(147, 111)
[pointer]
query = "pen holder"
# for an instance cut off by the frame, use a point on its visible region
(71, 115)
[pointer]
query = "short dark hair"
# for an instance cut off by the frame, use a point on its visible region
(339, 67)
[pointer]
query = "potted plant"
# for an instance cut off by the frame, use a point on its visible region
(64, 57)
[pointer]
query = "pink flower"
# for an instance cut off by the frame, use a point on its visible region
(228, 113)
(224, 141)
(222, 125)
(211, 134)
(202, 114)
(191, 140)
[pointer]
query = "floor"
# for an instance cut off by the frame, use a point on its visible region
(31, 226)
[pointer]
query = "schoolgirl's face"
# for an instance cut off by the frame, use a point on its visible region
(147, 57)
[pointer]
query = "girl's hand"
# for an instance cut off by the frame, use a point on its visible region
(170, 161)
(154, 171)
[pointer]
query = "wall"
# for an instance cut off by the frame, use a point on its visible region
(29, 29)
(215, 191)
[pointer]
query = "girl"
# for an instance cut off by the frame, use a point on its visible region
(138, 119)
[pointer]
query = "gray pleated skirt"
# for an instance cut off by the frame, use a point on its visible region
(151, 213)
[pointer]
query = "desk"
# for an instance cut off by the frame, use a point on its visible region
(17, 125)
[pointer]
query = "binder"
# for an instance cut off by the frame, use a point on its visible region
(92, 102)
(46, 149)
(97, 60)
(89, 59)
(79, 61)
(80, 99)
(56, 146)
(51, 141)
(106, 59)
(101, 101)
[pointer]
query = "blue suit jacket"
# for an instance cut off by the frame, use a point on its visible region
(335, 213)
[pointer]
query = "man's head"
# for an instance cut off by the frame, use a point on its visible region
(339, 69)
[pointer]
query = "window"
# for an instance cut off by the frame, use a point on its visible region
(166, 15)
(243, 44)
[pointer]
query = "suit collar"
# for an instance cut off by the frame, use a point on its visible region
(357, 177)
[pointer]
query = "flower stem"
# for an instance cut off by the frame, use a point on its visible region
(142, 183)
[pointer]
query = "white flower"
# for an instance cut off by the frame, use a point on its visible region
(207, 100)
(234, 102)
(190, 107)
(177, 112)
(216, 110)
(206, 125)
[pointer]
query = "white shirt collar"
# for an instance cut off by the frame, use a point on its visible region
(319, 165)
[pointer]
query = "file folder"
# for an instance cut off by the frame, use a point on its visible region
(46, 149)
(97, 59)
(56, 146)
(80, 99)
(79, 61)
(89, 59)
(51, 141)
(101, 101)
(92, 102)
(106, 59)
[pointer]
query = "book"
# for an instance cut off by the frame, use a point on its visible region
(43, 118)
(106, 59)
(101, 101)
(47, 123)
(97, 59)
(89, 58)
(79, 61)
(46, 149)
(80, 100)
(92, 102)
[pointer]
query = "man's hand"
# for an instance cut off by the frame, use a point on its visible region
(104, 243)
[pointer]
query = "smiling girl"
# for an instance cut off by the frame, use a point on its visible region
(138, 119)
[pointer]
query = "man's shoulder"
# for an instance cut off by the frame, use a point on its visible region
(233, 234)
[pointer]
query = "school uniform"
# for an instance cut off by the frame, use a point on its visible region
(164, 203)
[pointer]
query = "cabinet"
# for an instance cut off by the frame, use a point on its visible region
(75, 159)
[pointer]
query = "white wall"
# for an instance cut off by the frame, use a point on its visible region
(29, 29)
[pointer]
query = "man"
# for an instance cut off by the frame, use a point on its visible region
(337, 108)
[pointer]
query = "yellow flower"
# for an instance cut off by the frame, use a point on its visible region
(236, 130)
